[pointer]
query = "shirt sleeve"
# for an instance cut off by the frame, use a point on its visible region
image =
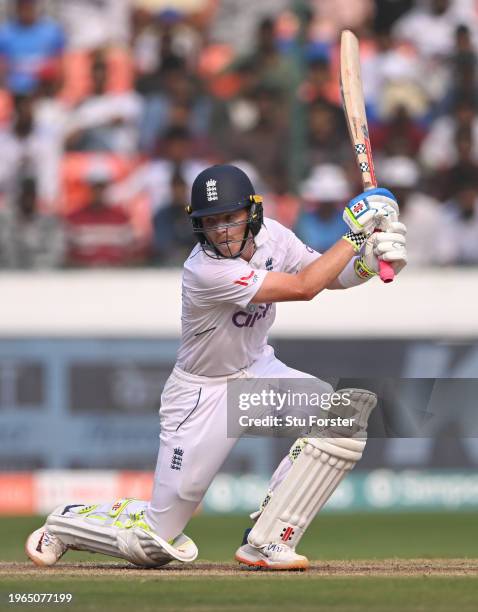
(228, 281)
(299, 254)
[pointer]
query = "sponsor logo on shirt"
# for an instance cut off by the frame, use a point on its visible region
(249, 319)
(245, 281)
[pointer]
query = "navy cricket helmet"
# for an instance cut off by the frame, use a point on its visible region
(224, 189)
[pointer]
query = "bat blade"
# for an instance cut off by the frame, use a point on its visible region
(354, 109)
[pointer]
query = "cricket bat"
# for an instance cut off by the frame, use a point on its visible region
(354, 109)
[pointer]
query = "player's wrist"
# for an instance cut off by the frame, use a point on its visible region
(362, 270)
(356, 272)
(355, 240)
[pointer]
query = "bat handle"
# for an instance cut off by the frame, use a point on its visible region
(386, 271)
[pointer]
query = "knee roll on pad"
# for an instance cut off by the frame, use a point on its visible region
(334, 449)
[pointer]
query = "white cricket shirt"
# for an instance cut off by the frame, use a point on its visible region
(222, 331)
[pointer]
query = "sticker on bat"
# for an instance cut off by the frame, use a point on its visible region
(365, 130)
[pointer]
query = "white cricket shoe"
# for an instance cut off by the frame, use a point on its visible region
(44, 548)
(271, 557)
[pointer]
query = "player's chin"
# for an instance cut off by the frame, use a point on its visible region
(228, 249)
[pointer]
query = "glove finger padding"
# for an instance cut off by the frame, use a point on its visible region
(381, 237)
(388, 243)
(388, 246)
(396, 227)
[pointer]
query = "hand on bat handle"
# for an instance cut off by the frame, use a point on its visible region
(370, 211)
(386, 272)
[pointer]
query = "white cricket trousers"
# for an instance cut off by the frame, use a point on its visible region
(194, 442)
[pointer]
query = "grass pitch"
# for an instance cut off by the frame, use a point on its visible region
(364, 562)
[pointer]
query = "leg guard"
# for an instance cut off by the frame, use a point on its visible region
(319, 464)
(117, 530)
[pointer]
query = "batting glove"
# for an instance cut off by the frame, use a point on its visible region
(370, 210)
(389, 245)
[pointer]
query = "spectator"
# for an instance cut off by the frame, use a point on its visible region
(51, 116)
(332, 16)
(393, 74)
(144, 41)
(21, 147)
(264, 143)
(431, 26)
(34, 141)
(327, 139)
(172, 98)
(244, 15)
(462, 82)
(29, 239)
(319, 82)
(174, 154)
(388, 11)
(173, 239)
(27, 43)
(324, 193)
(271, 67)
(438, 150)
(91, 24)
(105, 121)
(100, 234)
(459, 239)
(161, 33)
(444, 182)
(421, 213)
(399, 134)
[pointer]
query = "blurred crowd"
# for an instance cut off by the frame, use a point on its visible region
(110, 108)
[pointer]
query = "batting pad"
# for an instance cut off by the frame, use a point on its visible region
(136, 545)
(310, 482)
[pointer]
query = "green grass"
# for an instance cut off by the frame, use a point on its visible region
(357, 536)
(256, 593)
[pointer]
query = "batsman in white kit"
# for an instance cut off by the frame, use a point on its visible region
(241, 267)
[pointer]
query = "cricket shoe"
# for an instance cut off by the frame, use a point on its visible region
(44, 548)
(272, 556)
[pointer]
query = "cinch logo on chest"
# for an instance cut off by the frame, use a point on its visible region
(248, 319)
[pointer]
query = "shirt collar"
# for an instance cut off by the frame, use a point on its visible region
(262, 237)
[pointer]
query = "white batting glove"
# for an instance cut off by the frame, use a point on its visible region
(390, 246)
(370, 210)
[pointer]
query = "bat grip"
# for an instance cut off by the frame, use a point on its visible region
(386, 271)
